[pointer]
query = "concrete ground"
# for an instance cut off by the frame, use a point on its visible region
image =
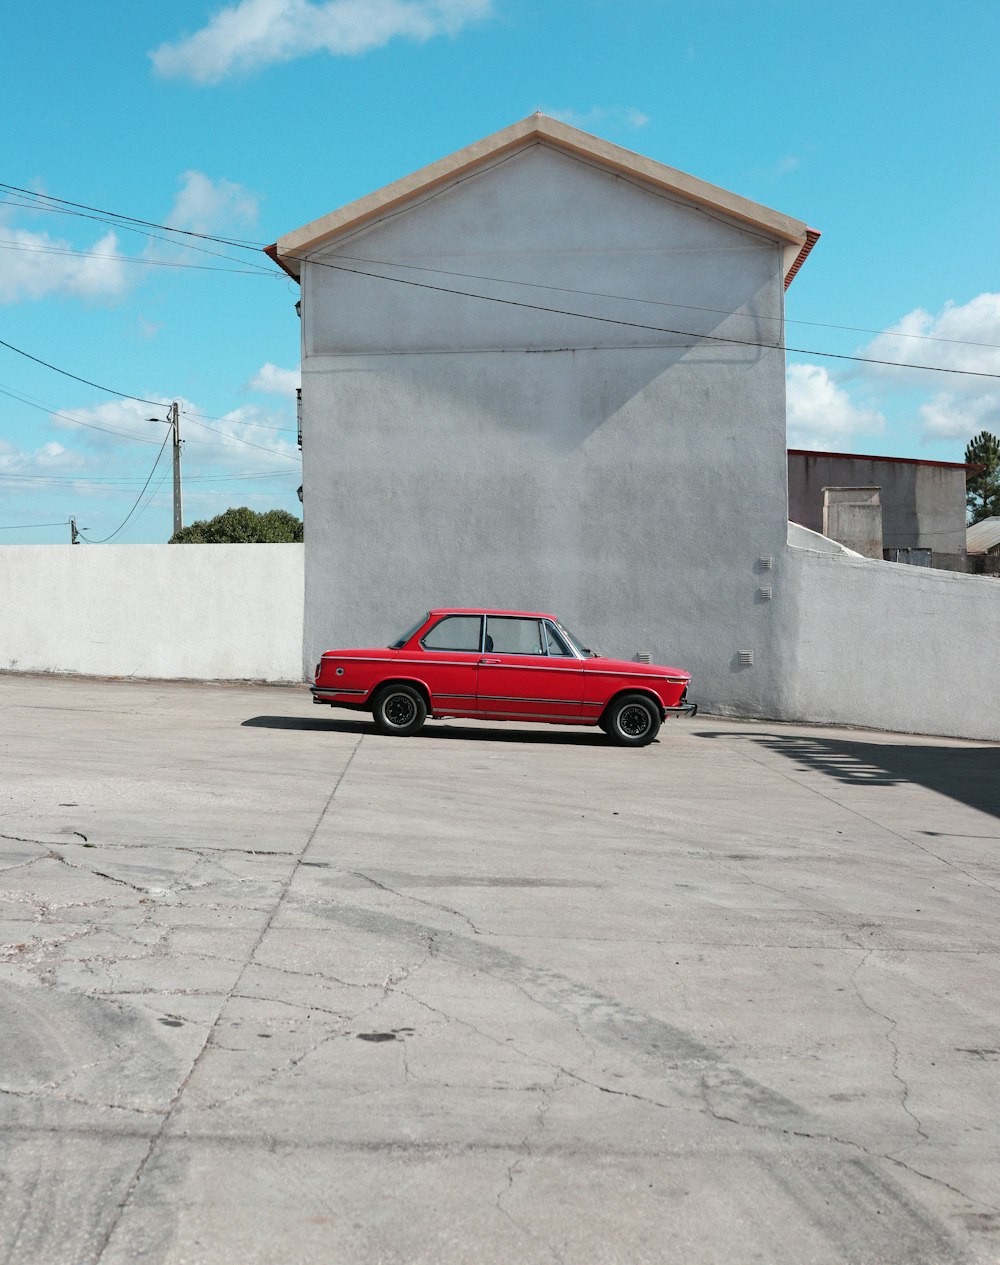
(277, 989)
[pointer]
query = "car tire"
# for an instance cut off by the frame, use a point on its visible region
(399, 710)
(631, 721)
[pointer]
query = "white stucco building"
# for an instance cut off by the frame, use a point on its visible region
(547, 373)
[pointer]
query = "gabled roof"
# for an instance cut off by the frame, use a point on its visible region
(292, 248)
(983, 537)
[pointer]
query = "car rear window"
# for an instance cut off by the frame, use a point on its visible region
(455, 632)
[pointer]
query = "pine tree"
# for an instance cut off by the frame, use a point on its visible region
(983, 489)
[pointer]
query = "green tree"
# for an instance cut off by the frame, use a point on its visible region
(242, 526)
(983, 489)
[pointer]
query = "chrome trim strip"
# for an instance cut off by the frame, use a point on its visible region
(643, 676)
(335, 656)
(530, 716)
(444, 663)
(436, 695)
(514, 698)
(548, 666)
(326, 689)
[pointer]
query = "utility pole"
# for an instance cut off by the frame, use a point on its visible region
(74, 535)
(174, 422)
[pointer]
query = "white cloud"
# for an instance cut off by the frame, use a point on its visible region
(36, 266)
(784, 165)
(615, 117)
(949, 415)
(105, 425)
(205, 205)
(970, 333)
(275, 381)
(249, 438)
(50, 458)
(962, 336)
(254, 33)
(821, 413)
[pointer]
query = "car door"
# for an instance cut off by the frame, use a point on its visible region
(448, 662)
(526, 673)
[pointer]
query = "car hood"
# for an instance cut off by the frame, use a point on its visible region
(601, 664)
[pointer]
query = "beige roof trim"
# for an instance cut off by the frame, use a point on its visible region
(289, 249)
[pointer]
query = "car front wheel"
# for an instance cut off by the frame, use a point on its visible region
(631, 721)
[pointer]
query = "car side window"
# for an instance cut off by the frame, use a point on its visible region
(557, 646)
(514, 636)
(455, 632)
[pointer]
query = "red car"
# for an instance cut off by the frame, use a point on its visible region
(501, 665)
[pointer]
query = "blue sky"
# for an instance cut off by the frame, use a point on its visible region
(875, 123)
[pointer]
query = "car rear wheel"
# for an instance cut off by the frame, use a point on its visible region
(631, 721)
(399, 710)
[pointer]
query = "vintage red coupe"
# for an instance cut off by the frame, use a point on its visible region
(501, 665)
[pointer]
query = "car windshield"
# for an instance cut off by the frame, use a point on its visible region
(577, 644)
(400, 642)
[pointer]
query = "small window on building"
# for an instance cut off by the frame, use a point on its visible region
(455, 632)
(514, 636)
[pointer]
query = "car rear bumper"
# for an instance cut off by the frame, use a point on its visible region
(330, 694)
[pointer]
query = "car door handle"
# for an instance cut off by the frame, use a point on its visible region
(482, 661)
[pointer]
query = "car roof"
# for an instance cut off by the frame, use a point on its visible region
(488, 610)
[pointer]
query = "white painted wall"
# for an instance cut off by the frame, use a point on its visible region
(462, 452)
(215, 612)
(891, 647)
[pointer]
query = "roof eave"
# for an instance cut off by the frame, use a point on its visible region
(292, 248)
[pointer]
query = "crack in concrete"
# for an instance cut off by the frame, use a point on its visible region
(87, 869)
(41, 843)
(45, 1093)
(430, 904)
(516, 1169)
(904, 1086)
(540, 1059)
(119, 1210)
(867, 1152)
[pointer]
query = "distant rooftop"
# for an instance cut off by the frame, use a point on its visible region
(903, 461)
(983, 537)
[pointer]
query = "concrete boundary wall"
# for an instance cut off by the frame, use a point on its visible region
(893, 647)
(212, 612)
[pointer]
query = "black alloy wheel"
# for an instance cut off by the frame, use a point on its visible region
(399, 710)
(632, 721)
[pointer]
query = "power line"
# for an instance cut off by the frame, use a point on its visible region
(658, 329)
(135, 259)
(104, 541)
(117, 219)
(248, 442)
(122, 395)
(115, 482)
(43, 198)
(54, 412)
(686, 307)
(284, 430)
(149, 499)
(31, 526)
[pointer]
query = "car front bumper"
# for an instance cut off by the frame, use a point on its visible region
(683, 709)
